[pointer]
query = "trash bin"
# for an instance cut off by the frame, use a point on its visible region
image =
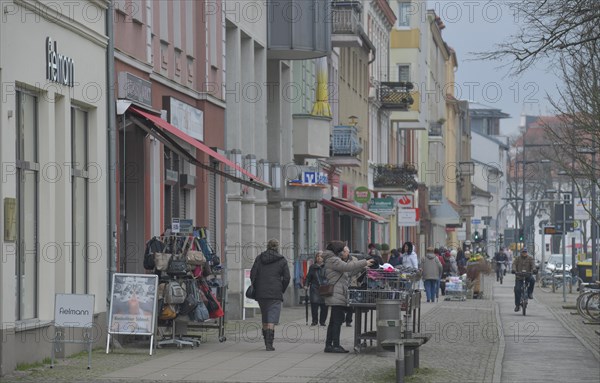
(388, 323)
(584, 270)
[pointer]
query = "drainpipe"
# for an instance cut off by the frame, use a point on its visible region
(367, 41)
(112, 151)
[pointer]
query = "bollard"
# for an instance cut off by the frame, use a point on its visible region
(389, 325)
(409, 361)
(399, 362)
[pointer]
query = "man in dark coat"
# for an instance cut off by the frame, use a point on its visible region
(270, 276)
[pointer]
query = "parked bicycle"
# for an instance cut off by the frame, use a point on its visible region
(588, 301)
(553, 281)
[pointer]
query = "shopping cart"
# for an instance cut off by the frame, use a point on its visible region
(456, 289)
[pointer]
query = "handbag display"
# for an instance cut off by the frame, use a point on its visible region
(167, 313)
(177, 266)
(200, 313)
(195, 257)
(161, 260)
(190, 303)
(174, 293)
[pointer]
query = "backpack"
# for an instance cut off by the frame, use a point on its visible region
(174, 293)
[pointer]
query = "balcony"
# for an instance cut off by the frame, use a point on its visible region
(395, 95)
(346, 21)
(345, 146)
(298, 30)
(311, 136)
(389, 177)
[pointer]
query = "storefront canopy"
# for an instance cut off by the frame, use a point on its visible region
(348, 207)
(444, 214)
(166, 133)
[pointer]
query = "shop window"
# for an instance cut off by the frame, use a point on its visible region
(176, 198)
(79, 201)
(27, 164)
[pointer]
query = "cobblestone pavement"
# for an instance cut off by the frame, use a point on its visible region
(465, 346)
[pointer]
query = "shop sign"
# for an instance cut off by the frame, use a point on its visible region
(134, 88)
(408, 217)
(406, 200)
(185, 117)
(59, 68)
(581, 204)
(362, 194)
(74, 310)
(436, 195)
(381, 206)
(314, 178)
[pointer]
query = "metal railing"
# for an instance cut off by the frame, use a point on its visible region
(344, 141)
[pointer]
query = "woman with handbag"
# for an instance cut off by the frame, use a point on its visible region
(337, 272)
(314, 279)
(270, 277)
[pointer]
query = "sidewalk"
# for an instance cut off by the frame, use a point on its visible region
(472, 341)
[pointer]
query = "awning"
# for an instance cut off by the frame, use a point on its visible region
(166, 135)
(347, 206)
(444, 214)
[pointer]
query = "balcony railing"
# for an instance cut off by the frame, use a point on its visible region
(395, 95)
(395, 176)
(344, 141)
(346, 17)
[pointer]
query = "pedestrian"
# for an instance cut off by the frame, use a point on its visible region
(336, 270)
(438, 253)
(395, 258)
(409, 256)
(432, 270)
(374, 254)
(270, 276)
(314, 279)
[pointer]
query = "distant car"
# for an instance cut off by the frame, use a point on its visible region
(555, 263)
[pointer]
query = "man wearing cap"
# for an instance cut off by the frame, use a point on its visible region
(523, 263)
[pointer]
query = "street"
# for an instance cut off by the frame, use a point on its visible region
(481, 340)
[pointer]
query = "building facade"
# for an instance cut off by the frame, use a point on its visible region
(53, 147)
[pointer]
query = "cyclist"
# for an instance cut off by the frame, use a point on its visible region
(501, 260)
(523, 263)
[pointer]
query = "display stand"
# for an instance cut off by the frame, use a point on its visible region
(179, 342)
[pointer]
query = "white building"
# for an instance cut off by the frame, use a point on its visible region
(54, 179)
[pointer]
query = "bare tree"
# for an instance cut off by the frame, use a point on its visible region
(548, 28)
(578, 105)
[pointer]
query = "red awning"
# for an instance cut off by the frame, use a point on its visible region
(347, 206)
(250, 179)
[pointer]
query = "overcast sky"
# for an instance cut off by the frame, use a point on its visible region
(473, 26)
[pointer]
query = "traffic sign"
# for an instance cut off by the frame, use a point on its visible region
(476, 221)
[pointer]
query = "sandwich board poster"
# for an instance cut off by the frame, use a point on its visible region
(133, 304)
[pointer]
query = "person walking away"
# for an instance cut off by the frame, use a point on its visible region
(500, 259)
(314, 279)
(336, 271)
(439, 254)
(432, 269)
(395, 258)
(449, 268)
(270, 276)
(523, 263)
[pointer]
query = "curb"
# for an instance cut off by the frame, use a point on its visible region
(497, 377)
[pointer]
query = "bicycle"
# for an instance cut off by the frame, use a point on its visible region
(524, 287)
(553, 281)
(500, 271)
(588, 301)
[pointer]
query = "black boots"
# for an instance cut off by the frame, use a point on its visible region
(269, 335)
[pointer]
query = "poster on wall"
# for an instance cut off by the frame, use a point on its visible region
(133, 304)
